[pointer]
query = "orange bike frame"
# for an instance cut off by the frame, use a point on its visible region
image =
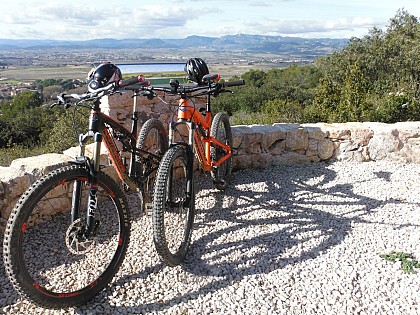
(202, 140)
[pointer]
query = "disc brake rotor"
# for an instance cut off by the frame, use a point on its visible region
(76, 242)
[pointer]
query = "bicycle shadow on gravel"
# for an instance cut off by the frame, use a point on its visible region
(267, 220)
(290, 215)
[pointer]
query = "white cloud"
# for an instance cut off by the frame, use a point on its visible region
(69, 13)
(290, 27)
(80, 19)
(162, 21)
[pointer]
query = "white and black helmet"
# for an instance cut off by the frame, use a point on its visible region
(196, 69)
(103, 75)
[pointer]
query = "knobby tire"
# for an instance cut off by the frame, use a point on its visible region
(37, 241)
(152, 138)
(221, 130)
(173, 214)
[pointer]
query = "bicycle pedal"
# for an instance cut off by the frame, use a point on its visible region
(148, 208)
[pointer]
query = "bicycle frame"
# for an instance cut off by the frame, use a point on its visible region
(98, 130)
(201, 141)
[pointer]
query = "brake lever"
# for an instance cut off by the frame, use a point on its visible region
(60, 100)
(149, 94)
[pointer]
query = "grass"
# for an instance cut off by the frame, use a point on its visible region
(408, 262)
(7, 155)
(243, 118)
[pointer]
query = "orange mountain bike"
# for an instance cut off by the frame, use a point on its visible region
(210, 138)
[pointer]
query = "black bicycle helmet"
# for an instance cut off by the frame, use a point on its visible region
(196, 69)
(103, 75)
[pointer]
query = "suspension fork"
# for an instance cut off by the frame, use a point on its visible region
(93, 186)
(133, 172)
(93, 168)
(190, 160)
(76, 200)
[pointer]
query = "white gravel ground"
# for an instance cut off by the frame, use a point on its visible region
(302, 239)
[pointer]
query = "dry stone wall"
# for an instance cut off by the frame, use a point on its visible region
(255, 146)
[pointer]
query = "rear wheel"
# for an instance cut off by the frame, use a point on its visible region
(220, 129)
(152, 139)
(173, 206)
(50, 259)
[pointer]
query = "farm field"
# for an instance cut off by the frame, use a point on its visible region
(42, 73)
(30, 73)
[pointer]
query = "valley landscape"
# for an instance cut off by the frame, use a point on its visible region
(26, 60)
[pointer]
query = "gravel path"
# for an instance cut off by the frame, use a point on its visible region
(301, 239)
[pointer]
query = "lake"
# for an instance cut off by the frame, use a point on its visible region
(151, 67)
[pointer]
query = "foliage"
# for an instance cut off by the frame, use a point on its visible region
(67, 84)
(23, 120)
(408, 262)
(20, 103)
(25, 124)
(7, 155)
(65, 130)
(282, 93)
(376, 78)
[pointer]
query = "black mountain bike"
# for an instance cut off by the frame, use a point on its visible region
(68, 234)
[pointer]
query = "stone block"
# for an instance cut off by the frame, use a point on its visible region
(41, 164)
(271, 134)
(13, 183)
(312, 147)
(411, 150)
(278, 147)
(338, 131)
(249, 137)
(384, 144)
(236, 137)
(290, 158)
(287, 127)
(297, 140)
(325, 149)
(316, 131)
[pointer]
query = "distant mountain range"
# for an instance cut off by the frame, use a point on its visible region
(251, 43)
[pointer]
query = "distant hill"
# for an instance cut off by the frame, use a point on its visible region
(252, 43)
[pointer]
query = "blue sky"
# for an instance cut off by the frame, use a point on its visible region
(82, 20)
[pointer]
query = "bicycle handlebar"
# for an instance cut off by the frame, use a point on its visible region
(212, 86)
(65, 99)
(138, 83)
(133, 80)
(234, 83)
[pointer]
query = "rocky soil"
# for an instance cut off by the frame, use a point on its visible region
(302, 239)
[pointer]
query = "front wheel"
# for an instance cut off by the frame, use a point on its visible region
(220, 129)
(173, 205)
(47, 256)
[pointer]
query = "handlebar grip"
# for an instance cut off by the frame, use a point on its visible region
(234, 83)
(130, 81)
(211, 77)
(137, 86)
